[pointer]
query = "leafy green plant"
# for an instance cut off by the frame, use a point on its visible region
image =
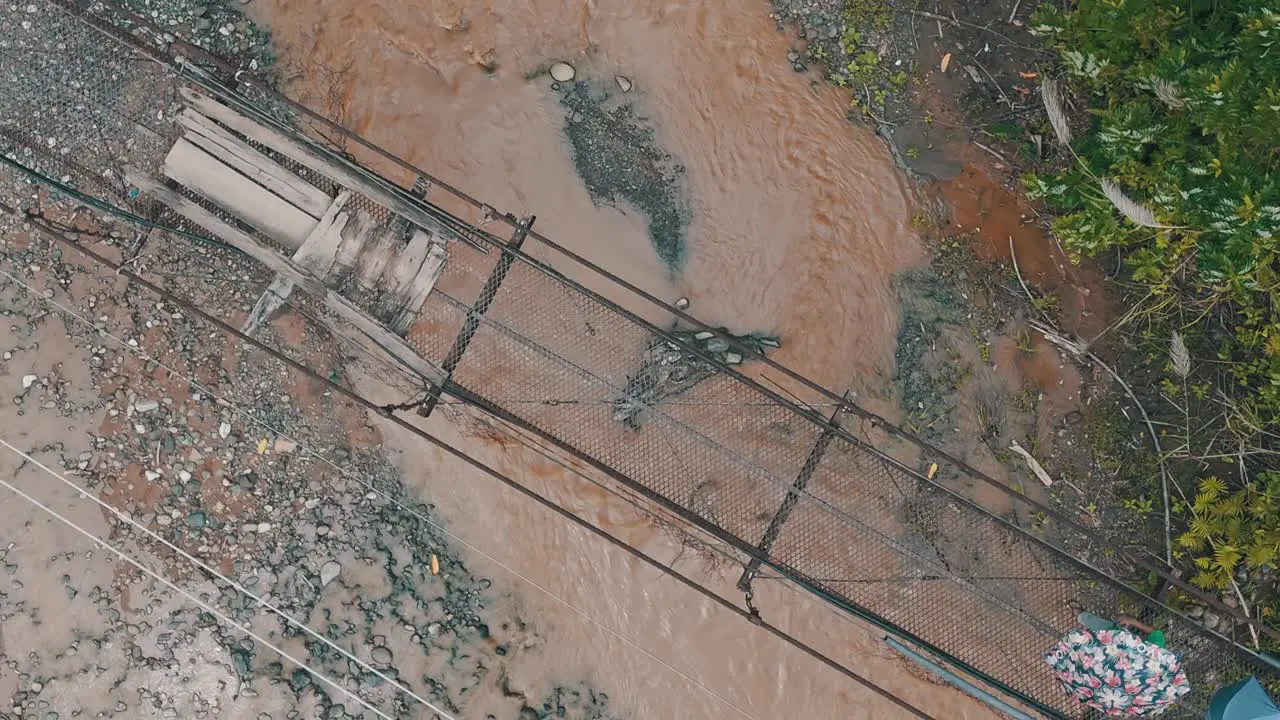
(1229, 530)
(1177, 172)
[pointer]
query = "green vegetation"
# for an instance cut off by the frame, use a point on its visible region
(1178, 173)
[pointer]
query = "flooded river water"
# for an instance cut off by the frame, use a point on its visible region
(797, 222)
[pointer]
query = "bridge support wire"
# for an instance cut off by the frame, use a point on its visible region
(475, 315)
(797, 489)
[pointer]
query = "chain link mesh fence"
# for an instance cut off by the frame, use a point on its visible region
(860, 528)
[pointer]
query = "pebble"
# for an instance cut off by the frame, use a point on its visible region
(197, 520)
(329, 572)
(146, 405)
(224, 430)
(284, 447)
(623, 82)
(563, 72)
(682, 303)
(28, 381)
(381, 655)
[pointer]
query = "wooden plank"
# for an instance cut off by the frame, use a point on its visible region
(397, 280)
(210, 137)
(354, 237)
(375, 259)
(339, 171)
(420, 288)
(390, 343)
(317, 254)
(237, 194)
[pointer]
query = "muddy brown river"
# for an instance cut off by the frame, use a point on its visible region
(797, 221)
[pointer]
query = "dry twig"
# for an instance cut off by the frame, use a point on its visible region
(1081, 349)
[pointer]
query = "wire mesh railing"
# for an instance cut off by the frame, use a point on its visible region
(844, 519)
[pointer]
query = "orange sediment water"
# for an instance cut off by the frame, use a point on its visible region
(798, 223)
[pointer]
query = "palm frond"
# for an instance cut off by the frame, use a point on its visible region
(1130, 208)
(1052, 98)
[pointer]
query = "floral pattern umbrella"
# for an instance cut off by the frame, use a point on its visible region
(1117, 673)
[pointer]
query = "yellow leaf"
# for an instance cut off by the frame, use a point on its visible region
(946, 61)
(435, 564)
(933, 470)
(262, 446)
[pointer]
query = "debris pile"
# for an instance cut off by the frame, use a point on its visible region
(673, 366)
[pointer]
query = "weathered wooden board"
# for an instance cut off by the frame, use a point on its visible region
(339, 172)
(389, 342)
(237, 194)
(355, 236)
(420, 287)
(317, 254)
(376, 256)
(213, 139)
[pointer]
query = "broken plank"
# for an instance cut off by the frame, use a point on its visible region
(237, 194)
(339, 170)
(317, 254)
(375, 259)
(400, 276)
(212, 138)
(423, 283)
(354, 237)
(390, 343)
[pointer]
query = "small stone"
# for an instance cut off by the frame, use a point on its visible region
(263, 527)
(28, 381)
(224, 430)
(329, 572)
(732, 358)
(381, 656)
(184, 476)
(284, 447)
(146, 405)
(164, 520)
(197, 520)
(299, 680)
(624, 83)
(717, 344)
(1210, 620)
(682, 303)
(240, 659)
(563, 72)
(151, 475)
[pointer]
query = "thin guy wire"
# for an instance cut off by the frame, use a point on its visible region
(787, 487)
(207, 607)
(474, 462)
(371, 488)
(240, 588)
(510, 331)
(436, 182)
